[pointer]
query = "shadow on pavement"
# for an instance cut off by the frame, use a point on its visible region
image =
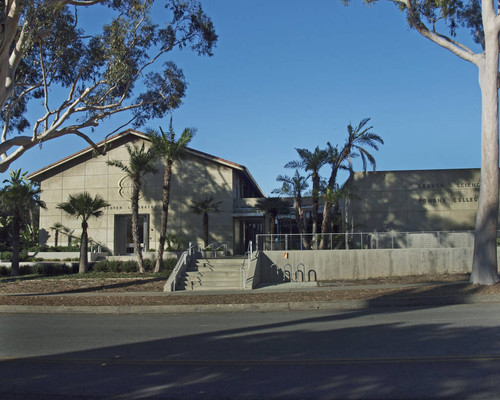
(380, 353)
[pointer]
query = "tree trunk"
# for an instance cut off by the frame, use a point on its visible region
(164, 214)
(484, 264)
(16, 232)
(272, 222)
(205, 229)
(135, 225)
(84, 244)
(325, 223)
(327, 207)
(299, 216)
(315, 202)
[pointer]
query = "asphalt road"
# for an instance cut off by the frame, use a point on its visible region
(432, 352)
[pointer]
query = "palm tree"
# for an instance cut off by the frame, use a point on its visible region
(272, 207)
(336, 163)
(19, 196)
(141, 163)
(69, 233)
(170, 150)
(294, 186)
(57, 228)
(204, 207)
(312, 162)
(83, 206)
(357, 139)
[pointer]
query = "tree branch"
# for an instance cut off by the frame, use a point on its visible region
(459, 50)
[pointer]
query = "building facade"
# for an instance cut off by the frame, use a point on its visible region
(197, 176)
(420, 200)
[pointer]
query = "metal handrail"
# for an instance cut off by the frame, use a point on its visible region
(182, 263)
(213, 248)
(202, 247)
(224, 247)
(243, 269)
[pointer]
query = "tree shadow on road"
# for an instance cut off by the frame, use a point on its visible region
(371, 353)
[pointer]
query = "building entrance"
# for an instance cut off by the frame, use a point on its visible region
(124, 242)
(246, 231)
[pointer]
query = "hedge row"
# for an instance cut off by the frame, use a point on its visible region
(42, 269)
(100, 266)
(131, 266)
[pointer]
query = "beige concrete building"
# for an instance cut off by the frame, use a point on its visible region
(420, 200)
(195, 177)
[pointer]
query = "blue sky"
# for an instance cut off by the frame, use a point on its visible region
(289, 74)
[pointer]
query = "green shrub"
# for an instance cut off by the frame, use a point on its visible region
(25, 270)
(51, 269)
(7, 256)
(131, 266)
(149, 265)
(4, 271)
(39, 248)
(61, 249)
(115, 266)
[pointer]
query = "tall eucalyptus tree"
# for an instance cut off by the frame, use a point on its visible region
(69, 73)
(439, 22)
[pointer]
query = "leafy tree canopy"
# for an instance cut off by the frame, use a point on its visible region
(79, 77)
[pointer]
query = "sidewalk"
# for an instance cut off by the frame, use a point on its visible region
(399, 295)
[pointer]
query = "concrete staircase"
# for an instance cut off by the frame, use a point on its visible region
(222, 273)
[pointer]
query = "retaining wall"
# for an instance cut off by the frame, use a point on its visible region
(360, 264)
(65, 255)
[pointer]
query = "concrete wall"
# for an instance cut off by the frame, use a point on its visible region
(65, 255)
(429, 200)
(360, 264)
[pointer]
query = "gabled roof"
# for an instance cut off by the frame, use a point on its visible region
(131, 134)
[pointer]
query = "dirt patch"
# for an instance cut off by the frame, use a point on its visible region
(72, 285)
(399, 280)
(149, 291)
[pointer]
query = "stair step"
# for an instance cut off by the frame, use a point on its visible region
(213, 274)
(215, 269)
(211, 285)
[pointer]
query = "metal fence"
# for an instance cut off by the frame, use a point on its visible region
(357, 241)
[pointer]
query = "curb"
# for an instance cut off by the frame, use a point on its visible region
(256, 307)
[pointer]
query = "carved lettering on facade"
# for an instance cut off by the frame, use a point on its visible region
(469, 185)
(465, 199)
(129, 207)
(432, 200)
(472, 185)
(430, 185)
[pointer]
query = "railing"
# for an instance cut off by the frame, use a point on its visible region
(243, 269)
(221, 249)
(374, 240)
(213, 249)
(179, 269)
